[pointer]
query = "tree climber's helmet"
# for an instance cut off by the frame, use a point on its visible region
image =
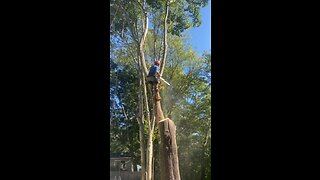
(157, 62)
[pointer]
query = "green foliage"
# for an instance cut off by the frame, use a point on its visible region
(185, 14)
(124, 15)
(123, 131)
(188, 101)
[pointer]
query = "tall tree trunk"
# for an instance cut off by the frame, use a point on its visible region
(142, 41)
(150, 141)
(146, 98)
(144, 71)
(142, 143)
(155, 34)
(149, 157)
(169, 164)
(141, 128)
(164, 55)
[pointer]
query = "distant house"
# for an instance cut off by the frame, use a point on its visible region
(121, 167)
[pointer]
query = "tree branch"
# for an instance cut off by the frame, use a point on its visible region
(143, 62)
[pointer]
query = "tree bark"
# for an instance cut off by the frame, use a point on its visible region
(149, 157)
(143, 38)
(142, 146)
(164, 55)
(141, 128)
(169, 163)
(150, 140)
(155, 34)
(153, 159)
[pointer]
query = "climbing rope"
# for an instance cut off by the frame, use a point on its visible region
(163, 120)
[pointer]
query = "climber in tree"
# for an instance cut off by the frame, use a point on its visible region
(154, 73)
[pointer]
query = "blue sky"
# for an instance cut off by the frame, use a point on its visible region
(201, 36)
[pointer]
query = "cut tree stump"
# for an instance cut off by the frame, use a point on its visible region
(169, 163)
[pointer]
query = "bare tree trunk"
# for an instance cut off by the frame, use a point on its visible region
(146, 98)
(142, 40)
(151, 124)
(150, 154)
(164, 55)
(142, 144)
(152, 127)
(141, 127)
(153, 159)
(155, 34)
(155, 46)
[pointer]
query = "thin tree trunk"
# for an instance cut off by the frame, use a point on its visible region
(150, 132)
(143, 38)
(143, 72)
(153, 159)
(146, 98)
(141, 128)
(142, 142)
(155, 34)
(146, 158)
(155, 46)
(150, 155)
(164, 55)
(150, 142)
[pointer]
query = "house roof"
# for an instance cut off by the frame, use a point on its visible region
(119, 155)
